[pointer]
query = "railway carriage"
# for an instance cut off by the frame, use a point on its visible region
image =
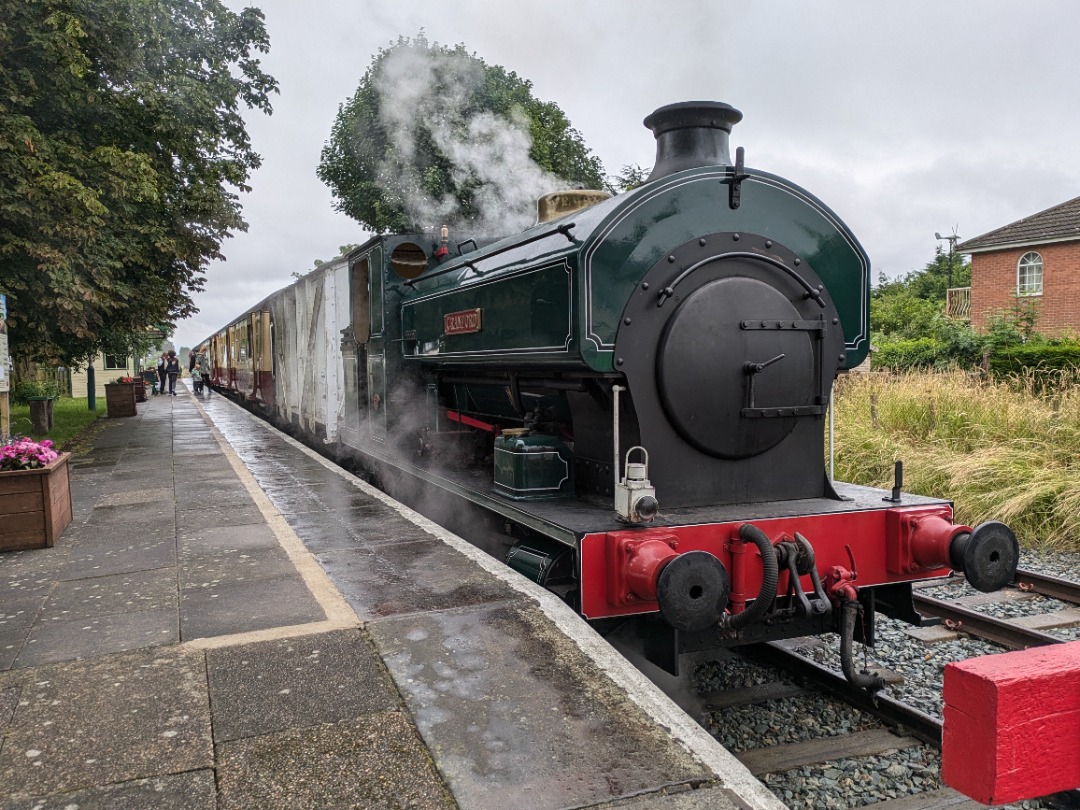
(635, 390)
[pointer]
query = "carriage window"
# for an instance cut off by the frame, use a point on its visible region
(358, 299)
(377, 269)
(1029, 274)
(115, 361)
(408, 260)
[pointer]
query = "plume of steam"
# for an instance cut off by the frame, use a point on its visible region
(431, 93)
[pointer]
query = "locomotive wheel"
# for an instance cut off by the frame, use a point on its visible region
(693, 591)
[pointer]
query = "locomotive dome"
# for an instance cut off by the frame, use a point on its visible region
(562, 203)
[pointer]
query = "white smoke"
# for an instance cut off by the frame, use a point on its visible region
(430, 91)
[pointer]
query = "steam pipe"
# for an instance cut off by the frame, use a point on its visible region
(749, 533)
(861, 679)
(615, 391)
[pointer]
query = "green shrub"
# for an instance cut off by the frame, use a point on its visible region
(25, 390)
(1039, 357)
(908, 355)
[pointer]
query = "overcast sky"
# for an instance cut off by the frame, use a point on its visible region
(906, 118)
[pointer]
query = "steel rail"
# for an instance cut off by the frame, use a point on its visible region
(982, 625)
(907, 718)
(1046, 585)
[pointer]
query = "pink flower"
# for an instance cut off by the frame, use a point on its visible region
(25, 454)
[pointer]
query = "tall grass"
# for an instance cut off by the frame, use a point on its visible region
(1001, 450)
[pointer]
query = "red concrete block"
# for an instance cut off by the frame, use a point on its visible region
(1012, 724)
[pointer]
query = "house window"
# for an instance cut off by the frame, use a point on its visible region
(115, 361)
(1029, 274)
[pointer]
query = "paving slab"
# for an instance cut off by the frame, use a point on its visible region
(320, 534)
(234, 565)
(375, 761)
(11, 643)
(207, 473)
(272, 686)
(20, 566)
(112, 719)
(194, 790)
(17, 592)
(491, 687)
(138, 496)
(196, 538)
(381, 526)
(242, 607)
(240, 513)
(105, 556)
(222, 492)
(129, 592)
(156, 476)
(408, 578)
(65, 639)
(9, 697)
(146, 512)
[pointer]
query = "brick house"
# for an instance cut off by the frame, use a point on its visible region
(1036, 258)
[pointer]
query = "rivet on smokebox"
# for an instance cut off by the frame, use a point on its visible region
(798, 262)
(768, 243)
(735, 236)
(619, 362)
(644, 285)
(701, 242)
(626, 321)
(835, 321)
(671, 259)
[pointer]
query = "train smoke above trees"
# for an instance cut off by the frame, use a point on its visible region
(434, 136)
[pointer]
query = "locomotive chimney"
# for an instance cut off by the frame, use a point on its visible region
(691, 134)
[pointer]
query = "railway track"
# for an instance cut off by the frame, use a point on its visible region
(887, 726)
(1013, 634)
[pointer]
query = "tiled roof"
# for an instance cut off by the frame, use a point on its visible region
(1062, 222)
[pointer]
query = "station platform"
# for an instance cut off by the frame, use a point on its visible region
(232, 621)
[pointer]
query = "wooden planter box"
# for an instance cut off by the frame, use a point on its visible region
(140, 390)
(35, 505)
(120, 399)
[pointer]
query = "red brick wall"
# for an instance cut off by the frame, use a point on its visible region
(993, 286)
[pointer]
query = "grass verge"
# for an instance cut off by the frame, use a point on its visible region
(71, 421)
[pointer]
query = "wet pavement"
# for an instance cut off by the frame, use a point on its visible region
(231, 621)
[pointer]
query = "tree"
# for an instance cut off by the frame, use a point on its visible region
(631, 176)
(912, 306)
(434, 135)
(122, 153)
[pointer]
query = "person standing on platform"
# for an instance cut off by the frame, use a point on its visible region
(161, 373)
(172, 369)
(203, 365)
